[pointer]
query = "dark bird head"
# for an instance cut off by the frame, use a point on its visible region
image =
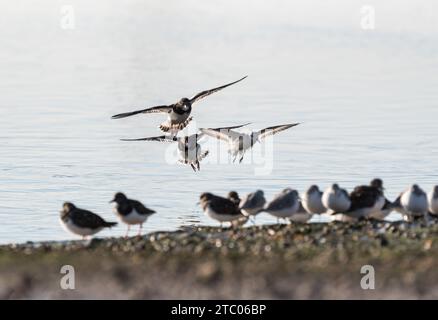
(67, 208)
(313, 188)
(416, 189)
(435, 191)
(205, 199)
(233, 195)
(335, 186)
(377, 183)
(119, 198)
(185, 104)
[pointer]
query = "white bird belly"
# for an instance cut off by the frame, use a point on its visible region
(336, 203)
(133, 218)
(312, 203)
(433, 204)
(413, 204)
(71, 227)
(221, 217)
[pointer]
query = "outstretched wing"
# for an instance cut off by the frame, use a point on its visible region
(230, 128)
(160, 139)
(157, 109)
(223, 133)
(270, 131)
(218, 134)
(205, 93)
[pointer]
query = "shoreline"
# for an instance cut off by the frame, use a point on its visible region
(300, 261)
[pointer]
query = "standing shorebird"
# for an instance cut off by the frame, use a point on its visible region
(336, 199)
(301, 216)
(412, 203)
(253, 203)
(366, 200)
(234, 196)
(220, 209)
(285, 205)
(239, 143)
(179, 112)
(312, 200)
(432, 199)
(82, 222)
(190, 150)
(131, 211)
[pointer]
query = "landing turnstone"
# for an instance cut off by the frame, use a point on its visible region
(336, 199)
(82, 222)
(412, 203)
(432, 198)
(312, 200)
(219, 209)
(253, 203)
(239, 143)
(179, 112)
(301, 216)
(190, 150)
(130, 211)
(366, 200)
(284, 204)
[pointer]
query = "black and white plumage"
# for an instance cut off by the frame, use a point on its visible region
(312, 200)
(336, 199)
(234, 197)
(253, 203)
(366, 200)
(432, 199)
(219, 208)
(179, 112)
(190, 150)
(285, 205)
(412, 203)
(131, 211)
(239, 142)
(82, 222)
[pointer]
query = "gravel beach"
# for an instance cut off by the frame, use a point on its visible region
(309, 261)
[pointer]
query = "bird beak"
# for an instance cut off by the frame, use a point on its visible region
(112, 201)
(198, 203)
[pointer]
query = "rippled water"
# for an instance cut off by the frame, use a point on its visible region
(367, 101)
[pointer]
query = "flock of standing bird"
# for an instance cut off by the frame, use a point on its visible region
(364, 202)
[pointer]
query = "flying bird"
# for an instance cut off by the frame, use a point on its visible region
(178, 114)
(190, 150)
(239, 143)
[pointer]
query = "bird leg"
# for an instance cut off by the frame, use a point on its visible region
(193, 167)
(198, 165)
(127, 231)
(140, 229)
(241, 158)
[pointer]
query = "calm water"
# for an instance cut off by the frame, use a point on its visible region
(368, 102)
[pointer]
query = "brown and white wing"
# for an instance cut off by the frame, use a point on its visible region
(270, 131)
(159, 138)
(218, 134)
(157, 109)
(206, 93)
